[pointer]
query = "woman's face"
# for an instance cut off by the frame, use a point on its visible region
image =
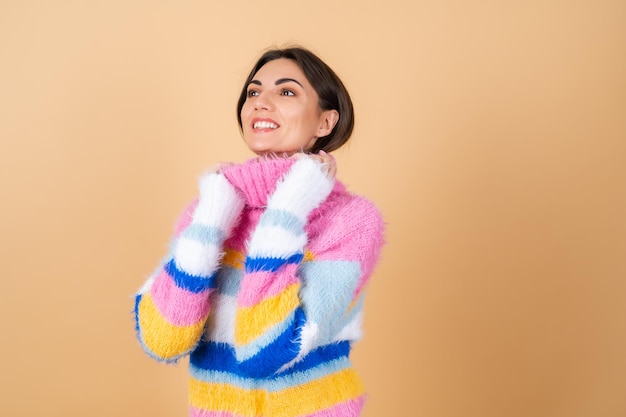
(281, 113)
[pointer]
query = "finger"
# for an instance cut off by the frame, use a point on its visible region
(330, 167)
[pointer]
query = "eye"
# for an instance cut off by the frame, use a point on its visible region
(252, 93)
(287, 92)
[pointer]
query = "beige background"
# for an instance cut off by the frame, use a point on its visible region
(492, 135)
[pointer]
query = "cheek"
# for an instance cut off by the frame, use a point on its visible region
(245, 110)
(304, 115)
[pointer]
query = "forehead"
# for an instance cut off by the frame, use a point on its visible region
(278, 69)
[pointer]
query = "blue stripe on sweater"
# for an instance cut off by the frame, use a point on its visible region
(282, 350)
(186, 281)
(320, 355)
(272, 384)
(204, 234)
(138, 298)
(216, 357)
(220, 357)
(283, 219)
(327, 291)
(271, 264)
(253, 348)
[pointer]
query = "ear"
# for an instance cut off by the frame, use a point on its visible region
(328, 120)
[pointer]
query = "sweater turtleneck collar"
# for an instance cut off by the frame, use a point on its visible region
(257, 178)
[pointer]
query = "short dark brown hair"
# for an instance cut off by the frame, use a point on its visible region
(332, 94)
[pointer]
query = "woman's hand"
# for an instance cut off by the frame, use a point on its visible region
(329, 166)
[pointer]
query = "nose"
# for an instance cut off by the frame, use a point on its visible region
(262, 102)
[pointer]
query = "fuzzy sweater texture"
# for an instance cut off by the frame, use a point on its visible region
(263, 288)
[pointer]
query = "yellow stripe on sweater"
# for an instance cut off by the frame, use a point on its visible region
(316, 395)
(308, 256)
(226, 398)
(252, 322)
(233, 259)
(296, 401)
(162, 338)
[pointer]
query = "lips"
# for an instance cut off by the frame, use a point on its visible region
(264, 124)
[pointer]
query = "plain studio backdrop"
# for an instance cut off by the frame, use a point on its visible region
(491, 134)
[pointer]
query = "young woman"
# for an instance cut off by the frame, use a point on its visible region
(264, 284)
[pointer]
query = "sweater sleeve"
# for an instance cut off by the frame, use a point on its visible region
(335, 277)
(173, 305)
(273, 327)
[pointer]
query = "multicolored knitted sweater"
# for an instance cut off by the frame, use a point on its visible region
(263, 288)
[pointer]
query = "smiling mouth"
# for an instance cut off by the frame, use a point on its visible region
(264, 125)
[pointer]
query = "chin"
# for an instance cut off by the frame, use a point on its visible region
(261, 150)
(258, 148)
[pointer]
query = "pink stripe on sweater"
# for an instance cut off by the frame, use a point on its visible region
(198, 412)
(257, 286)
(350, 408)
(179, 306)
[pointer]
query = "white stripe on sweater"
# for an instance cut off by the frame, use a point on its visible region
(303, 189)
(275, 242)
(195, 258)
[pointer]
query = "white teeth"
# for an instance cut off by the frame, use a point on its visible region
(264, 125)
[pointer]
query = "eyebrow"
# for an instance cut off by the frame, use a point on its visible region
(278, 82)
(286, 80)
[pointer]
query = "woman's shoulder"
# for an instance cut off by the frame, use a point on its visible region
(352, 208)
(347, 223)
